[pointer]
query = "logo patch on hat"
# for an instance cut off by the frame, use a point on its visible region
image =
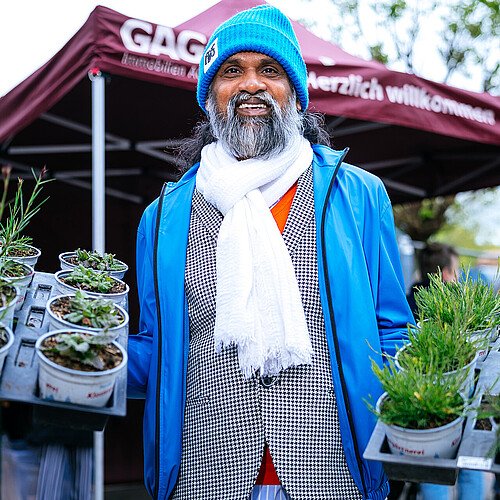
(210, 56)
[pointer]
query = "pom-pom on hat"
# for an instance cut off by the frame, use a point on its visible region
(263, 29)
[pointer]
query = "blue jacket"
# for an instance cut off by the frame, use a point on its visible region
(362, 295)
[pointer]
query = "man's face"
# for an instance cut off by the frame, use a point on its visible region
(450, 273)
(252, 73)
(252, 107)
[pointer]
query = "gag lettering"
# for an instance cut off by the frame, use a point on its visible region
(145, 38)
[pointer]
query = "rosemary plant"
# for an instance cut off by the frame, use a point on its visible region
(437, 347)
(94, 313)
(472, 304)
(81, 347)
(89, 279)
(416, 399)
(19, 212)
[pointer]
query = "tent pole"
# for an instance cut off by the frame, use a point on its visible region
(98, 229)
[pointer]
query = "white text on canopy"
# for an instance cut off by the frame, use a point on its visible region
(144, 38)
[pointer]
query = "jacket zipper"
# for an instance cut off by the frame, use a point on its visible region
(333, 326)
(158, 369)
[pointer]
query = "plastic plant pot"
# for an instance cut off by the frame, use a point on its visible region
(57, 323)
(7, 311)
(65, 265)
(64, 288)
(440, 442)
(4, 350)
(30, 260)
(59, 383)
(485, 336)
(22, 283)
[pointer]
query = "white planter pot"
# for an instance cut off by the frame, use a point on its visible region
(7, 312)
(485, 336)
(467, 388)
(64, 289)
(21, 283)
(30, 260)
(59, 383)
(4, 350)
(67, 265)
(57, 323)
(441, 442)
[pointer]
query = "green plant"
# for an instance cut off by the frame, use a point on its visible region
(80, 347)
(94, 260)
(416, 399)
(437, 347)
(472, 304)
(95, 313)
(12, 269)
(19, 212)
(93, 280)
(4, 336)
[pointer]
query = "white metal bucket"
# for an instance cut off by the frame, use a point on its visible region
(63, 289)
(441, 442)
(59, 383)
(56, 323)
(65, 265)
(4, 350)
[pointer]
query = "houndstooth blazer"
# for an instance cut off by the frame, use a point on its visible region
(227, 418)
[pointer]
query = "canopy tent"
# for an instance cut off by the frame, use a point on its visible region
(422, 138)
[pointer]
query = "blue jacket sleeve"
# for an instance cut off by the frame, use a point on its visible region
(393, 312)
(140, 346)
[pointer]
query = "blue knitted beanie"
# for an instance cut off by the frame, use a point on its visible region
(263, 29)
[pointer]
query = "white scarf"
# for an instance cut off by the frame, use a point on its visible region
(258, 304)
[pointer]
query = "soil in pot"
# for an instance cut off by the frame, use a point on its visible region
(116, 288)
(23, 252)
(13, 269)
(110, 355)
(61, 307)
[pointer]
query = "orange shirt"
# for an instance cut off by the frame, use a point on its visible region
(267, 474)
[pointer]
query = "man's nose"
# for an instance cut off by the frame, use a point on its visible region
(252, 82)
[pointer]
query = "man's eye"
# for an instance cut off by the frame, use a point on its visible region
(269, 70)
(231, 70)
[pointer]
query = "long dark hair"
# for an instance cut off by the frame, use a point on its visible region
(189, 151)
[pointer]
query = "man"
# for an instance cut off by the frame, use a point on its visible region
(254, 354)
(433, 258)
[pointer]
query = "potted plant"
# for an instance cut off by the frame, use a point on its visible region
(442, 348)
(6, 341)
(19, 273)
(422, 412)
(472, 304)
(78, 367)
(99, 262)
(83, 312)
(13, 244)
(8, 300)
(94, 283)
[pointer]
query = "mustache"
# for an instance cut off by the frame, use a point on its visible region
(242, 97)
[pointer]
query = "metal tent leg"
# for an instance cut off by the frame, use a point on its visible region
(98, 229)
